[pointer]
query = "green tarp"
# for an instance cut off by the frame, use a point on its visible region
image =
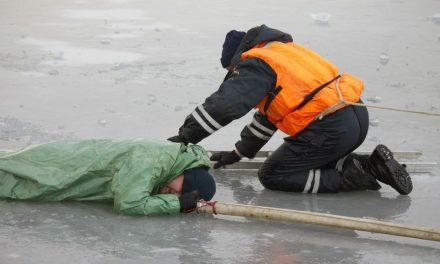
(128, 172)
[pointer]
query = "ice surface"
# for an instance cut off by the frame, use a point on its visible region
(159, 61)
(74, 232)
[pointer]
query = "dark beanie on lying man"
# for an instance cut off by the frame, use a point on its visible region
(199, 179)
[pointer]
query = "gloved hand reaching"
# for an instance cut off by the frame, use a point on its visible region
(188, 201)
(225, 158)
(178, 139)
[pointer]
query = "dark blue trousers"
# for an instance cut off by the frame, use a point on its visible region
(306, 162)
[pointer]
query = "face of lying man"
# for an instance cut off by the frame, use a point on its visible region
(174, 186)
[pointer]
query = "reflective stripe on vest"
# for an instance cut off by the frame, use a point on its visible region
(301, 71)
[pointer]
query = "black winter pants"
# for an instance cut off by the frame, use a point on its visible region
(306, 162)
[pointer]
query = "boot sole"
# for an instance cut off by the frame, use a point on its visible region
(398, 178)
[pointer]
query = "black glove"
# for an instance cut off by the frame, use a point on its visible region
(224, 158)
(188, 201)
(178, 139)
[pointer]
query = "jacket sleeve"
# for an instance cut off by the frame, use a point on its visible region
(149, 205)
(247, 85)
(134, 186)
(255, 135)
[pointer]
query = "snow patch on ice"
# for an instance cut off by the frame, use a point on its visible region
(158, 27)
(102, 122)
(33, 74)
(115, 14)
(53, 72)
(117, 35)
(77, 56)
(269, 235)
(105, 41)
(374, 138)
(384, 59)
(179, 108)
(374, 122)
(13, 256)
(119, 1)
(165, 250)
(321, 18)
(49, 221)
(59, 24)
(375, 99)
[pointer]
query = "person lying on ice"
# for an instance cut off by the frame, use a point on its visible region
(141, 177)
(302, 94)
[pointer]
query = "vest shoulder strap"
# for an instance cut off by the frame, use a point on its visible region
(310, 96)
(271, 96)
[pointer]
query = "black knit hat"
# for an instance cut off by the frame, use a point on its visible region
(199, 179)
(232, 41)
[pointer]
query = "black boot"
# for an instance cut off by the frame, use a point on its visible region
(382, 165)
(354, 177)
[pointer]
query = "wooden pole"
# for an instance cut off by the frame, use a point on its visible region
(319, 219)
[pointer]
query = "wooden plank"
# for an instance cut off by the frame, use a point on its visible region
(410, 158)
(330, 220)
(400, 155)
(411, 166)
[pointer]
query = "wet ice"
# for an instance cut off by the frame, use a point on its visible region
(436, 18)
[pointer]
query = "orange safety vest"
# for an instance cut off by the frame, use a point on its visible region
(300, 71)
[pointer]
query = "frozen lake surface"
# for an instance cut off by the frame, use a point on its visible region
(135, 69)
(73, 232)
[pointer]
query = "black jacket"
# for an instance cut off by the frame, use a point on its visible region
(243, 88)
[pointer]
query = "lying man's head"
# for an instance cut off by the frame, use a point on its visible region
(196, 179)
